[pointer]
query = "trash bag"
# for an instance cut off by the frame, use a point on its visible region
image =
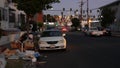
(2, 61)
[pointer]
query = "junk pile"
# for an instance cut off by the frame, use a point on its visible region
(20, 50)
(2, 58)
(15, 55)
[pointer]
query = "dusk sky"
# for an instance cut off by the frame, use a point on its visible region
(74, 4)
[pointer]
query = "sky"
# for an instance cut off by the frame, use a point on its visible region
(74, 4)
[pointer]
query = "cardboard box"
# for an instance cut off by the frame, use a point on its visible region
(2, 49)
(15, 45)
(7, 52)
(28, 44)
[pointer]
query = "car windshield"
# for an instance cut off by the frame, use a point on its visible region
(51, 33)
(93, 29)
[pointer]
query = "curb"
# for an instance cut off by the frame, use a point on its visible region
(116, 35)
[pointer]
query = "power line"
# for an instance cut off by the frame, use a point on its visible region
(60, 10)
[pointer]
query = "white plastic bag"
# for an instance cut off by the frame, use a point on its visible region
(2, 61)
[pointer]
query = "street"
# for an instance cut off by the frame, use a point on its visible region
(31, 34)
(86, 52)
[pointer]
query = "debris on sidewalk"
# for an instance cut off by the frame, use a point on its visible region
(18, 53)
(7, 52)
(18, 58)
(3, 61)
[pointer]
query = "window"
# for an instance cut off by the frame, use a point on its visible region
(11, 17)
(21, 18)
(5, 14)
(51, 34)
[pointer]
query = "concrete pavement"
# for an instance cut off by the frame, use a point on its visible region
(116, 33)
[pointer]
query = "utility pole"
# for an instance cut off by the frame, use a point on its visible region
(88, 14)
(81, 8)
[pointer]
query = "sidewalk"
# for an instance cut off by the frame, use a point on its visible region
(116, 33)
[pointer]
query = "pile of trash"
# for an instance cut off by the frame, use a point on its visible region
(20, 49)
(2, 58)
(16, 54)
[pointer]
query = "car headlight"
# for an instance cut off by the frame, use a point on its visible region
(61, 41)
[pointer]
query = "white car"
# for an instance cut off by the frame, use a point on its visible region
(52, 40)
(94, 32)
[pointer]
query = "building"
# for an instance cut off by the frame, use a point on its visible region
(10, 16)
(39, 17)
(115, 6)
(10, 19)
(4, 14)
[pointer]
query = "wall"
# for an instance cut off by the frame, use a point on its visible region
(9, 38)
(115, 6)
(118, 18)
(2, 3)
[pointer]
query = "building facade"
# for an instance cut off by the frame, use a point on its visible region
(10, 16)
(10, 19)
(115, 6)
(4, 14)
(39, 17)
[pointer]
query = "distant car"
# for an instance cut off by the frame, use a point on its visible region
(83, 30)
(64, 29)
(93, 31)
(52, 40)
(107, 32)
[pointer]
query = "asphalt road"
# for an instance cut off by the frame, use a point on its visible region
(85, 52)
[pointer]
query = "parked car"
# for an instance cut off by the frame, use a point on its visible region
(107, 32)
(64, 29)
(52, 40)
(93, 31)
